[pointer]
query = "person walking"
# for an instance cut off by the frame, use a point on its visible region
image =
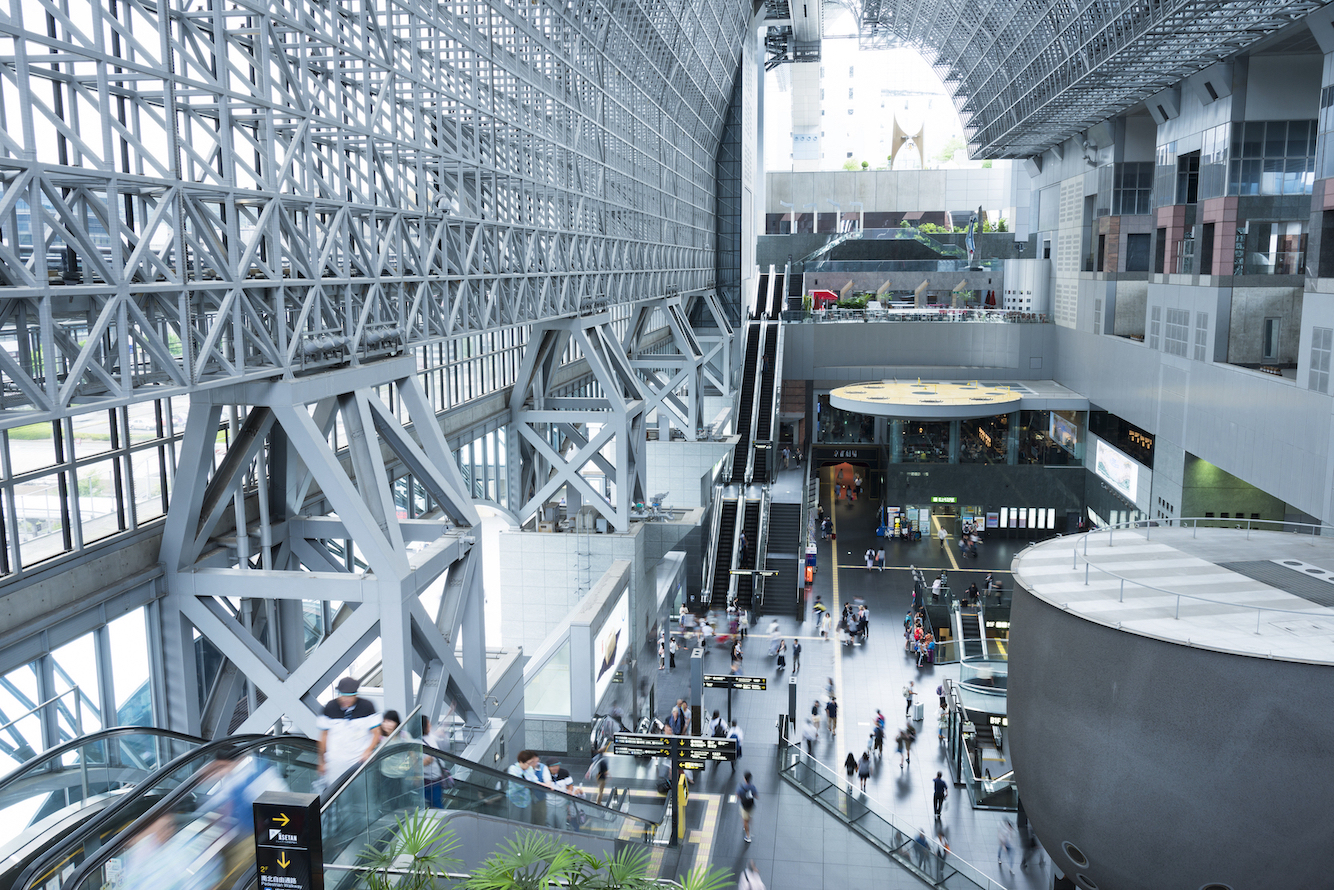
(1005, 844)
(746, 793)
(671, 654)
(944, 538)
(941, 790)
(808, 735)
(831, 710)
(815, 714)
(908, 693)
(782, 656)
(750, 878)
(850, 766)
(598, 770)
(662, 654)
(864, 769)
(796, 656)
(900, 745)
(736, 735)
(909, 736)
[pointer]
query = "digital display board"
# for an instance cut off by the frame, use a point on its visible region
(1119, 471)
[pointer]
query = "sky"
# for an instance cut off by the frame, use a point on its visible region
(876, 87)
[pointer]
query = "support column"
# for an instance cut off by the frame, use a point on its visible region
(1012, 440)
(954, 441)
(275, 549)
(896, 441)
(563, 434)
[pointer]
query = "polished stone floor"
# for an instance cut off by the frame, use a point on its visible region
(797, 845)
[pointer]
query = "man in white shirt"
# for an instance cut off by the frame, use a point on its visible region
(347, 736)
(736, 733)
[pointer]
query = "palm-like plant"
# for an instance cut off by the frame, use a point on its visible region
(415, 858)
(536, 861)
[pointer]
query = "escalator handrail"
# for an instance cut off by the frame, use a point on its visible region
(711, 558)
(101, 735)
(647, 827)
(41, 864)
(113, 847)
(501, 775)
(756, 383)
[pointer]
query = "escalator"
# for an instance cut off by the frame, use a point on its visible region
(740, 454)
(46, 870)
(201, 835)
(764, 446)
(783, 537)
(750, 527)
(761, 296)
(779, 296)
(970, 627)
(722, 563)
(59, 792)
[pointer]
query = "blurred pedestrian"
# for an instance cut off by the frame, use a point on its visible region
(864, 769)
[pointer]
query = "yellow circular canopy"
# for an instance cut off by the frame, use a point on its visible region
(925, 401)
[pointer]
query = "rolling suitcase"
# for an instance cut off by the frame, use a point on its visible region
(918, 710)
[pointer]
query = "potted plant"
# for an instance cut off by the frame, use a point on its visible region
(416, 857)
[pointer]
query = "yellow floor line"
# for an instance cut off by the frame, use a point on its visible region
(704, 836)
(835, 609)
(949, 545)
(999, 644)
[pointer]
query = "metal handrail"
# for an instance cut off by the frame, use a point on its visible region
(78, 710)
(101, 735)
(965, 870)
(1147, 525)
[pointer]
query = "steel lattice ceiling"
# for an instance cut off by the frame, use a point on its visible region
(1027, 74)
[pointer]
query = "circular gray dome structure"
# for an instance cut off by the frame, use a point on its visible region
(1170, 720)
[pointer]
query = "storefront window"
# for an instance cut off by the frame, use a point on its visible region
(1036, 444)
(838, 427)
(926, 442)
(982, 441)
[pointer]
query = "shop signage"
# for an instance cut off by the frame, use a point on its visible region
(289, 848)
(943, 500)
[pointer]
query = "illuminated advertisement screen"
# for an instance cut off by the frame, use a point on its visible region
(1063, 432)
(610, 645)
(1117, 469)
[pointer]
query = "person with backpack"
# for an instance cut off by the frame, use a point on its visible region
(746, 793)
(736, 735)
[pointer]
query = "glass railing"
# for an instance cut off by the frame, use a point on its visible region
(925, 314)
(923, 857)
(72, 849)
(201, 835)
(369, 807)
(83, 772)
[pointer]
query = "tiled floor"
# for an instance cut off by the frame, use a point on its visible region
(797, 846)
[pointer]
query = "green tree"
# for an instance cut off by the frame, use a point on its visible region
(946, 154)
(986, 165)
(866, 165)
(851, 164)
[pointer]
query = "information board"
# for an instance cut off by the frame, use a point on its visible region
(729, 681)
(685, 748)
(289, 847)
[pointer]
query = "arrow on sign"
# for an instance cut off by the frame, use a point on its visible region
(282, 819)
(283, 860)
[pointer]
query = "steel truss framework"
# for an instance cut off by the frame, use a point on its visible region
(555, 437)
(670, 374)
(1027, 74)
(324, 530)
(200, 195)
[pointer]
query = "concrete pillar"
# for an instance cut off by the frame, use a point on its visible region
(1012, 440)
(881, 429)
(954, 441)
(896, 441)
